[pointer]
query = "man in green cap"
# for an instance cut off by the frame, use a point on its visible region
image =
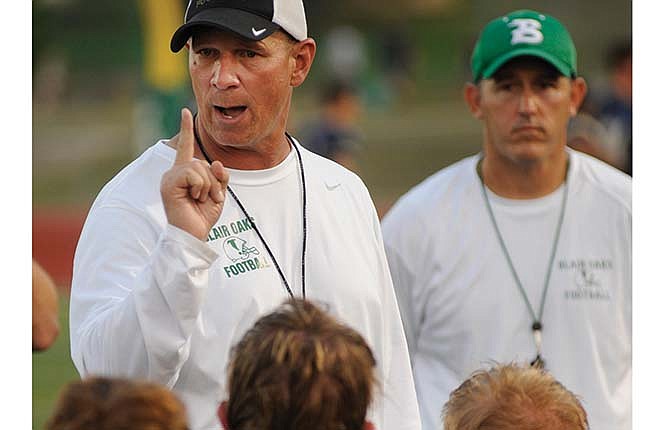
(522, 252)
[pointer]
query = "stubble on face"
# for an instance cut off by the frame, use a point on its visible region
(242, 91)
(525, 108)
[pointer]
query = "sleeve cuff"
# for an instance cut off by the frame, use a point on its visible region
(190, 243)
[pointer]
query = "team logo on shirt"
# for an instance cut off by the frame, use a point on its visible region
(223, 231)
(243, 256)
(237, 249)
(588, 278)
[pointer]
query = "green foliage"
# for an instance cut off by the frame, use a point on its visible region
(93, 36)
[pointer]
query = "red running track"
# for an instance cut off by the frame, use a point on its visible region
(55, 234)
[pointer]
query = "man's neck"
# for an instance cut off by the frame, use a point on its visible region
(524, 180)
(259, 157)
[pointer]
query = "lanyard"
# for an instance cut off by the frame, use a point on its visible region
(536, 327)
(253, 224)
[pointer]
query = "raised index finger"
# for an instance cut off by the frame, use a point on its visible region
(186, 138)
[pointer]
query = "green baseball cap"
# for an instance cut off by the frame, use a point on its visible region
(523, 32)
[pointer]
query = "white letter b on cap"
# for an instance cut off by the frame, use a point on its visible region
(526, 30)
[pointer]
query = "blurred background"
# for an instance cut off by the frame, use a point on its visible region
(383, 98)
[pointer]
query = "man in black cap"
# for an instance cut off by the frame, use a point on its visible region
(203, 233)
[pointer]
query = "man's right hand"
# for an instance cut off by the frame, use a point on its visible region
(193, 191)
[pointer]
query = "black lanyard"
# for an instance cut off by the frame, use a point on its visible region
(536, 327)
(253, 224)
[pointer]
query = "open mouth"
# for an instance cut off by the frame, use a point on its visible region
(231, 112)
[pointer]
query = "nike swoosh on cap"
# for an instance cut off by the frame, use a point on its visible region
(258, 32)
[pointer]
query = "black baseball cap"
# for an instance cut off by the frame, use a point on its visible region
(251, 19)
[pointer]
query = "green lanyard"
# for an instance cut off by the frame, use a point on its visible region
(536, 327)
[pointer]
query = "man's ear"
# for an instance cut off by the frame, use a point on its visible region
(222, 412)
(303, 56)
(367, 425)
(578, 91)
(472, 96)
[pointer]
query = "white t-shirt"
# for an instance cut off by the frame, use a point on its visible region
(462, 309)
(151, 301)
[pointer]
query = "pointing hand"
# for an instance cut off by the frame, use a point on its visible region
(192, 190)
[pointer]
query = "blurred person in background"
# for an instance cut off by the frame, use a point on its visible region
(298, 368)
(513, 397)
(345, 53)
(45, 309)
(588, 135)
(334, 135)
(103, 403)
(615, 109)
(190, 243)
(522, 252)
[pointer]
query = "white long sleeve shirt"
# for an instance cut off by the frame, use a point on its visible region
(462, 309)
(151, 301)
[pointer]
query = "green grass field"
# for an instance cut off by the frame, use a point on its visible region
(52, 369)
